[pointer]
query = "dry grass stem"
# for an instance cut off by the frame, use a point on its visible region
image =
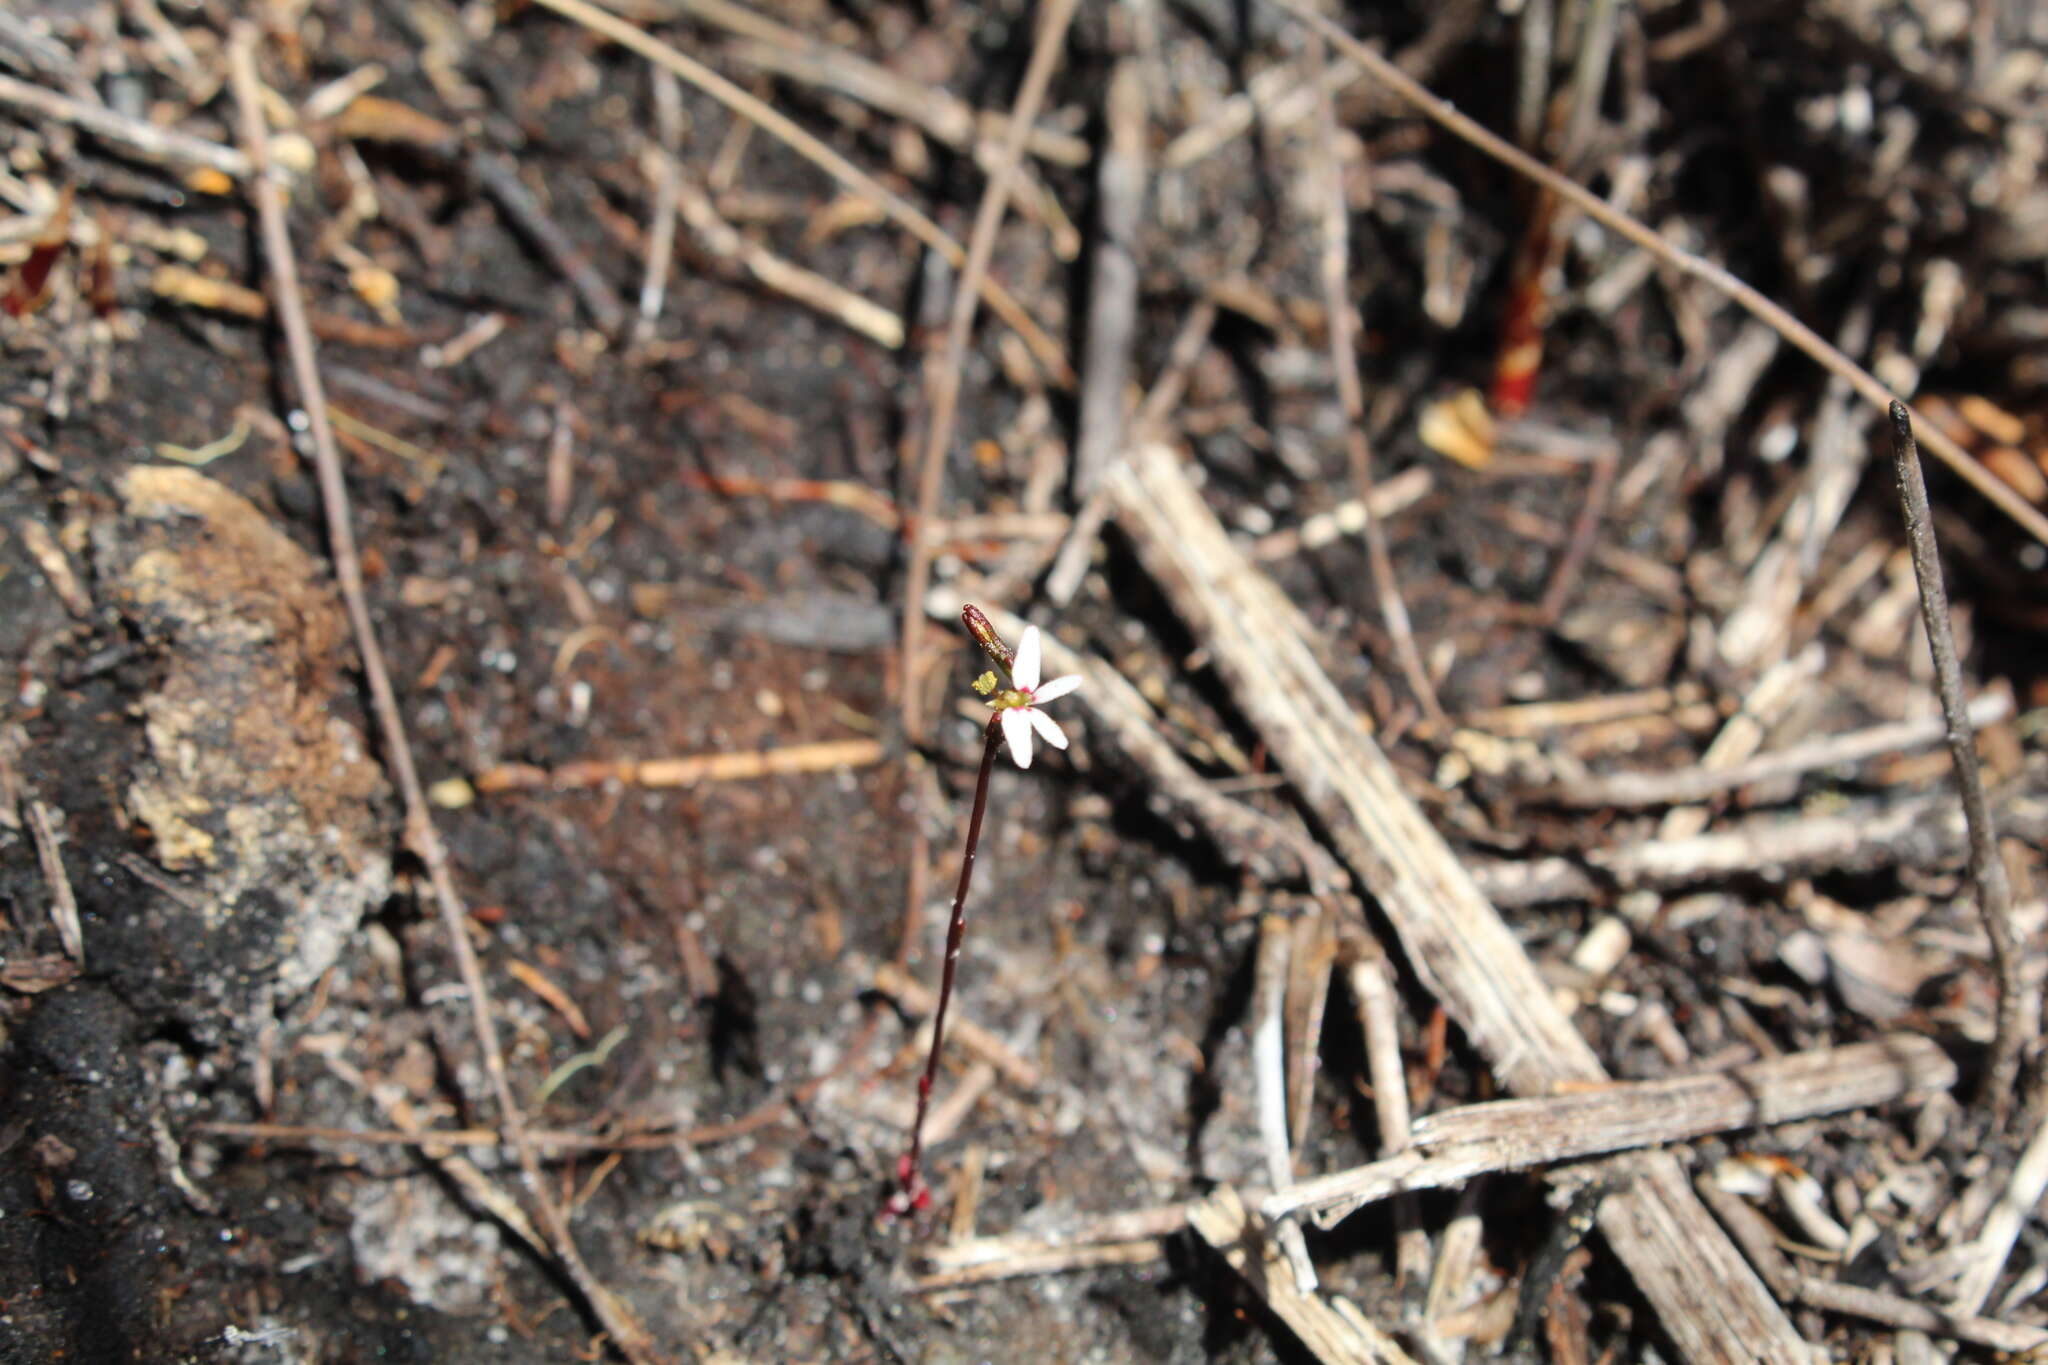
(1451, 1147)
(631, 1339)
(1987, 871)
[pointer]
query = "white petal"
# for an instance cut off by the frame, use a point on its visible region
(1048, 729)
(1058, 687)
(1017, 731)
(1024, 668)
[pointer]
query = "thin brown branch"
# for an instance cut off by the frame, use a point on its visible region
(1635, 231)
(1994, 894)
(630, 1337)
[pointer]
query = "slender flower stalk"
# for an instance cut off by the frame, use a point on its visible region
(1016, 719)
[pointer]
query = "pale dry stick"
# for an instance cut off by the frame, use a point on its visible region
(1049, 1260)
(1335, 1332)
(1053, 18)
(1343, 320)
(996, 1253)
(2002, 1225)
(135, 135)
(612, 1313)
(1120, 180)
(807, 287)
(665, 156)
(1454, 1145)
(1000, 301)
(1923, 832)
(687, 771)
(1987, 870)
(1461, 948)
(951, 120)
(1699, 783)
(1371, 979)
(2000, 493)
(63, 902)
(1313, 954)
(1269, 1080)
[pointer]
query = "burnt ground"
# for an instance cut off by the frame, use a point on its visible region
(185, 709)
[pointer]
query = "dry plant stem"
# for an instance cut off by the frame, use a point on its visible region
(630, 1337)
(136, 135)
(1054, 17)
(1923, 832)
(1000, 301)
(1479, 1139)
(1113, 280)
(1334, 1331)
(2002, 1225)
(1699, 783)
(1614, 220)
(912, 1192)
(1460, 946)
(1994, 894)
(501, 181)
(668, 172)
(1336, 272)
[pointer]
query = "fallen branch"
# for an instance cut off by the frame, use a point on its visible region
(684, 772)
(1451, 1147)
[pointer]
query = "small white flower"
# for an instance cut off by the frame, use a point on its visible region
(1018, 704)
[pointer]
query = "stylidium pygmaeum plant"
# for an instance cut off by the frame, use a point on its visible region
(1016, 719)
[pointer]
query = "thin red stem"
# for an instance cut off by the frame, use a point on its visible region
(914, 1194)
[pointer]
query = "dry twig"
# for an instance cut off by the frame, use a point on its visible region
(425, 840)
(1994, 894)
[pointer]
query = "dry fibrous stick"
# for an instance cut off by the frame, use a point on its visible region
(500, 180)
(1044, 1260)
(666, 170)
(1987, 871)
(631, 1339)
(690, 771)
(1371, 979)
(1902, 1313)
(943, 407)
(1269, 1081)
(1335, 260)
(2000, 493)
(1266, 847)
(1000, 301)
(995, 1255)
(892, 981)
(1699, 783)
(1454, 1145)
(1113, 279)
(1564, 579)
(42, 829)
(1464, 952)
(807, 287)
(1334, 1331)
(1926, 832)
(950, 119)
(137, 136)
